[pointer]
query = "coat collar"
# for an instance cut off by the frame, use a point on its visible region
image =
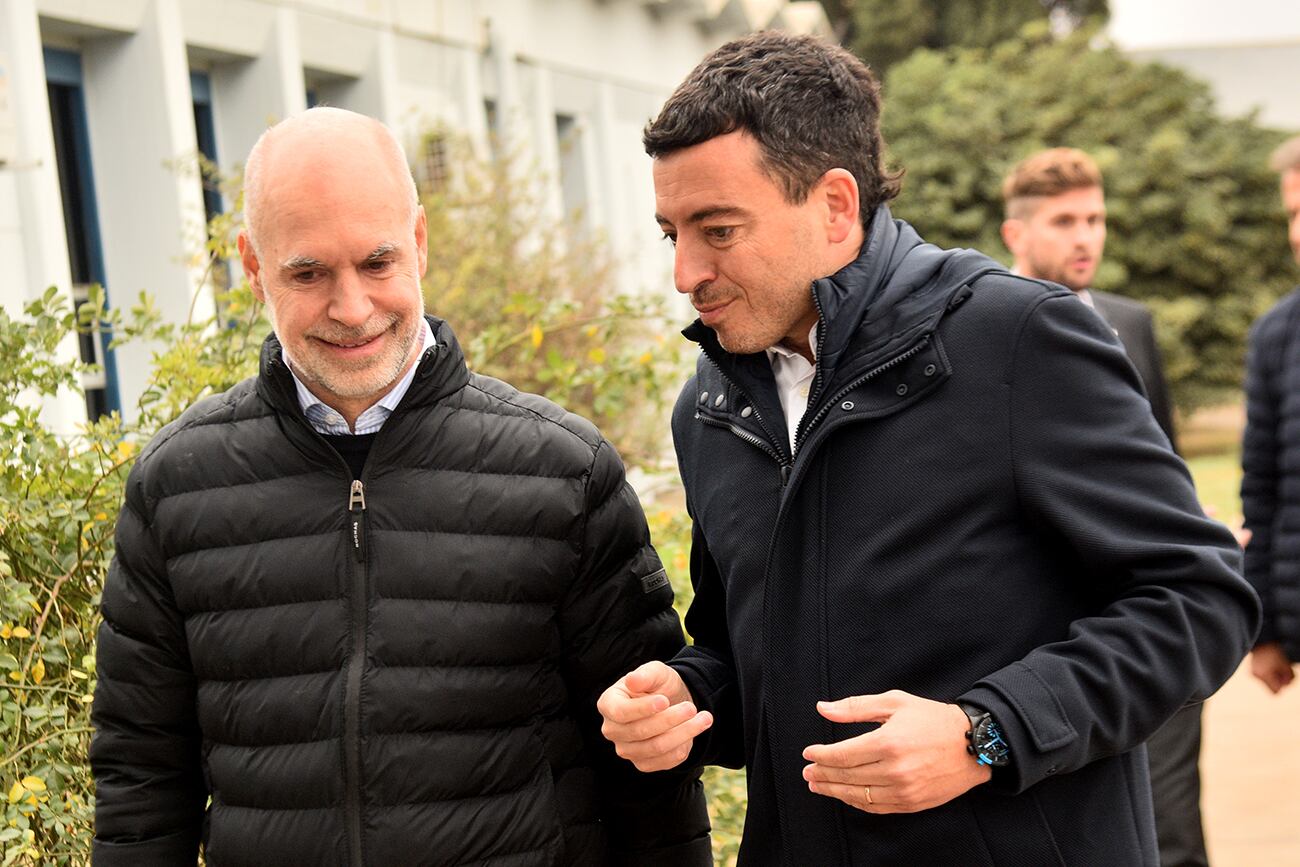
(888, 298)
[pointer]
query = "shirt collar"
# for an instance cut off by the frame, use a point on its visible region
(776, 350)
(327, 420)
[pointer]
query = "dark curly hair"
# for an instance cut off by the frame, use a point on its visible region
(811, 106)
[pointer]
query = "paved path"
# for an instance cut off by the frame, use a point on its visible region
(1250, 766)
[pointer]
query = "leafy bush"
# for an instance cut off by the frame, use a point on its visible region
(531, 301)
(1195, 227)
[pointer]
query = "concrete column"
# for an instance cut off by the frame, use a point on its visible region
(510, 135)
(471, 99)
(611, 185)
(32, 239)
(250, 95)
(546, 145)
(142, 140)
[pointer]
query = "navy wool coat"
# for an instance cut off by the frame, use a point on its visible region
(981, 507)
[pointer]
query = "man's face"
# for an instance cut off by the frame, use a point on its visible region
(1291, 201)
(338, 263)
(1062, 239)
(745, 255)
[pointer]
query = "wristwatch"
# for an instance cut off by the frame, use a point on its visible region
(985, 738)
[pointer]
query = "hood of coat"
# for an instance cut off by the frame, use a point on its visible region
(440, 371)
(895, 291)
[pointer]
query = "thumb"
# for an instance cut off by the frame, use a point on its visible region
(859, 708)
(650, 678)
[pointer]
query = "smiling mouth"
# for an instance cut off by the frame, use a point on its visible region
(354, 344)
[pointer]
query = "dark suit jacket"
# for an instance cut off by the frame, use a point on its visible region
(1131, 321)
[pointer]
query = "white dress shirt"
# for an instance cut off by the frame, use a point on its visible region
(327, 420)
(794, 377)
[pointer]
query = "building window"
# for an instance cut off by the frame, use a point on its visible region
(205, 132)
(433, 168)
(80, 218)
(573, 173)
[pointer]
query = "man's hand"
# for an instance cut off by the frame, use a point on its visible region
(916, 760)
(651, 718)
(1269, 663)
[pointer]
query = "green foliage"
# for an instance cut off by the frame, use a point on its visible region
(1195, 228)
(884, 32)
(59, 497)
(531, 300)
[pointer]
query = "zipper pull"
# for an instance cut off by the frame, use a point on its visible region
(785, 474)
(357, 511)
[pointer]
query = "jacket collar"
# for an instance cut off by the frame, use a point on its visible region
(439, 371)
(891, 295)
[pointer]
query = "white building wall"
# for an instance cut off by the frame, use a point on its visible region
(1248, 50)
(606, 65)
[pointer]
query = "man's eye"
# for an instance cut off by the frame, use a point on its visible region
(306, 276)
(720, 233)
(378, 266)
(670, 238)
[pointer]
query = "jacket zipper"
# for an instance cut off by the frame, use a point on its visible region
(870, 374)
(785, 463)
(356, 664)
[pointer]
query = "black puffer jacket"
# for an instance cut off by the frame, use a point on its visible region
(981, 507)
(400, 672)
(1270, 460)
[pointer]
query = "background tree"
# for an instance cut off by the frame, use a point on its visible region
(883, 32)
(1195, 227)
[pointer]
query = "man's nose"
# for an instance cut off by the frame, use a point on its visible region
(692, 266)
(350, 303)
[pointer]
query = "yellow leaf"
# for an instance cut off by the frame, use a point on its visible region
(33, 784)
(597, 355)
(538, 334)
(5, 631)
(591, 330)
(88, 698)
(15, 675)
(645, 358)
(38, 672)
(101, 516)
(16, 793)
(20, 632)
(124, 449)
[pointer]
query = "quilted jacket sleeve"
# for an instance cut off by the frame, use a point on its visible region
(1173, 617)
(145, 754)
(618, 615)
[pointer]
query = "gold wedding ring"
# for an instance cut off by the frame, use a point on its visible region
(867, 789)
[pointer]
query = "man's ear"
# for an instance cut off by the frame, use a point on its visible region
(838, 189)
(1012, 233)
(252, 267)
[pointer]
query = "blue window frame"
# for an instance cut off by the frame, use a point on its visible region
(205, 131)
(63, 78)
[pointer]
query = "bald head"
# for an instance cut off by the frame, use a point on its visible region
(321, 145)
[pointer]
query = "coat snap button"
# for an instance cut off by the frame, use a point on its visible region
(847, 405)
(747, 412)
(901, 390)
(704, 397)
(719, 400)
(930, 369)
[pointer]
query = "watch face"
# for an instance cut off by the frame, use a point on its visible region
(990, 748)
